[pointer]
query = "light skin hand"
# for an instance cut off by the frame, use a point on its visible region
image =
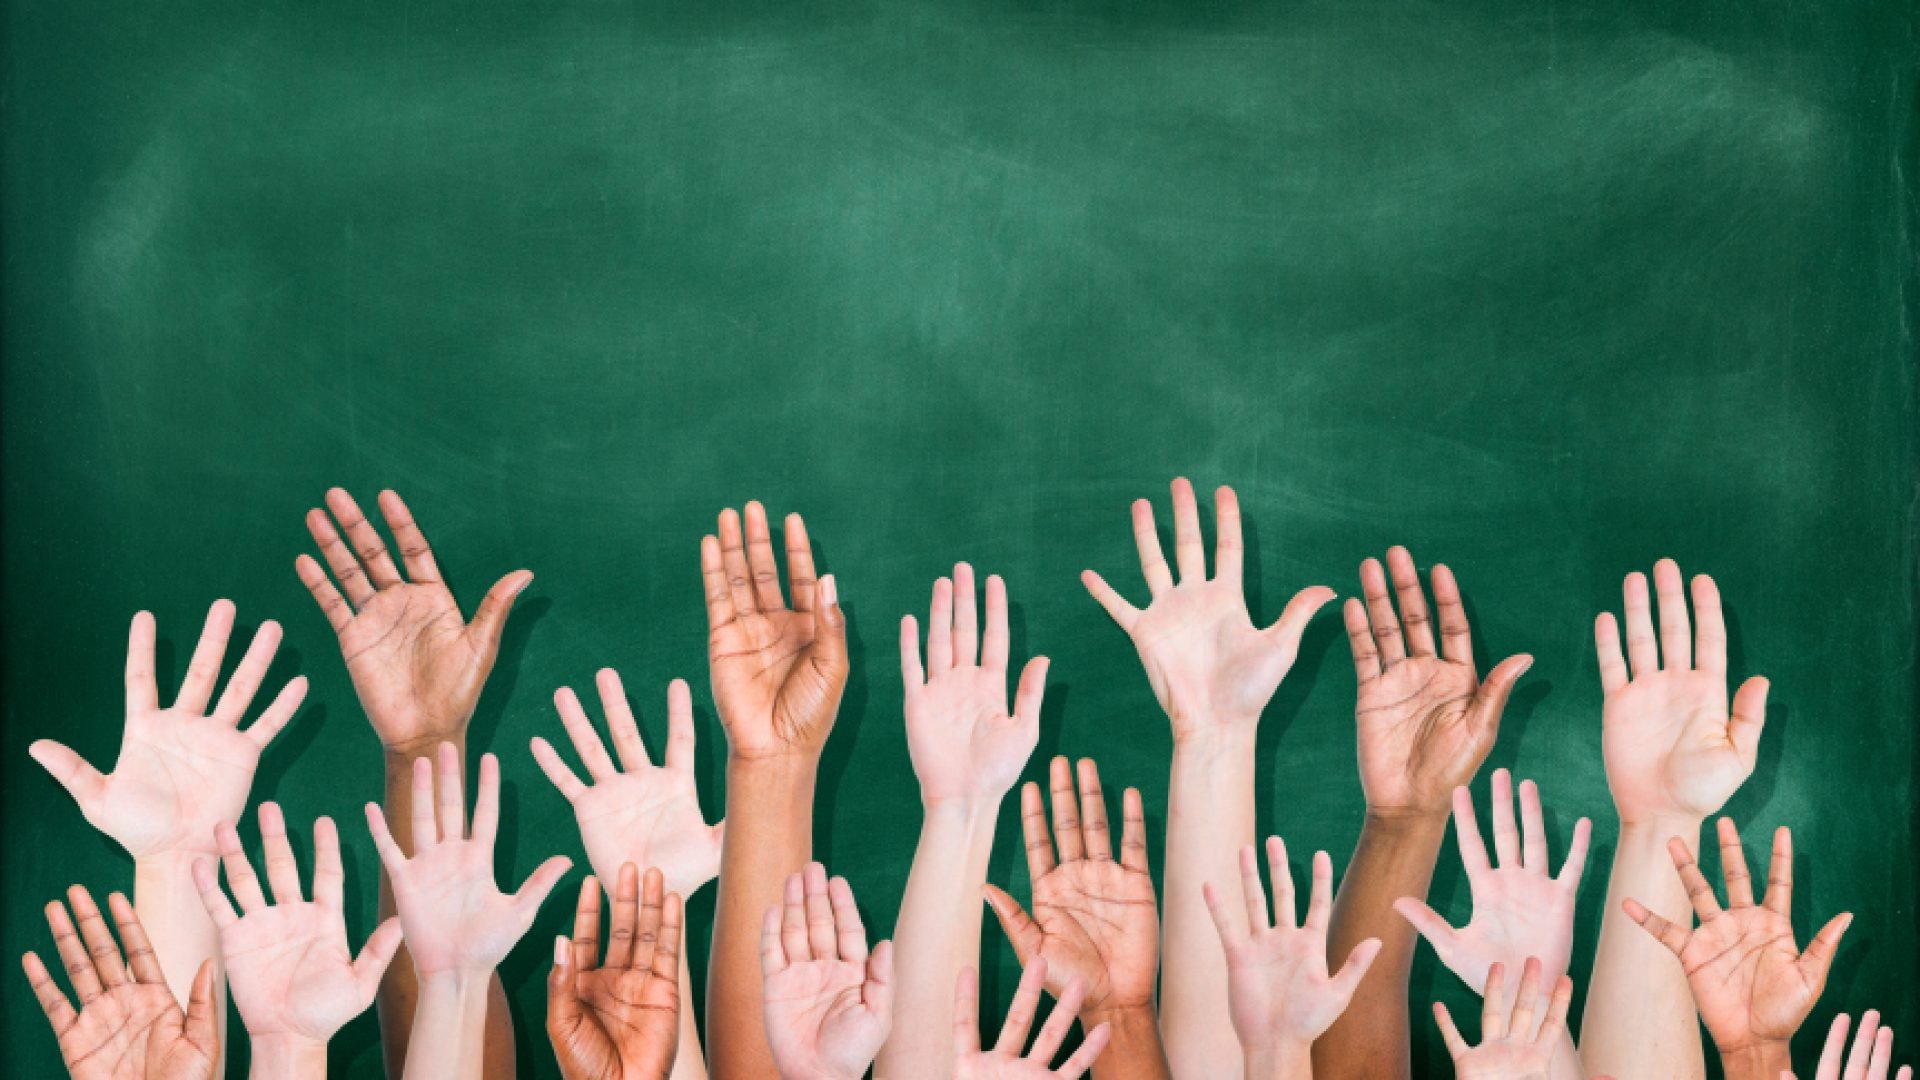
(1753, 985)
(777, 675)
(967, 749)
(640, 813)
(1511, 1046)
(829, 1002)
(1005, 1061)
(128, 1026)
(1213, 672)
(295, 981)
(1870, 1059)
(619, 1020)
(1281, 995)
(1093, 916)
(1425, 723)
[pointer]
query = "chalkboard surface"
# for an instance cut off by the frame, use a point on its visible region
(1545, 291)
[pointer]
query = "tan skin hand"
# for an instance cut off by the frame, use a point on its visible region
(417, 665)
(1752, 983)
(1208, 664)
(618, 1020)
(128, 1026)
(828, 1004)
(777, 672)
(1093, 917)
(1426, 721)
(1674, 748)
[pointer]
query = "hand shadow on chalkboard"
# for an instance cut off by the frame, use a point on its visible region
(1315, 642)
(506, 674)
(361, 1035)
(838, 754)
(291, 745)
(1527, 696)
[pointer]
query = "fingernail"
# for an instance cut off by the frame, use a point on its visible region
(828, 593)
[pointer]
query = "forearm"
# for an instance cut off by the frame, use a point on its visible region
(1210, 817)
(178, 926)
(769, 836)
(453, 1006)
(1394, 858)
(1640, 1018)
(1293, 1061)
(688, 1062)
(937, 934)
(286, 1057)
(398, 1000)
(1134, 1051)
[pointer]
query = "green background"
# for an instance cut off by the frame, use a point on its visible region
(1545, 291)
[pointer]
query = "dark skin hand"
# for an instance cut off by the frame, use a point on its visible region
(418, 669)
(619, 1020)
(1425, 722)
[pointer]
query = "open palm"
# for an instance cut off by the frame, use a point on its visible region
(827, 1001)
(417, 666)
(962, 739)
(777, 672)
(182, 770)
(1093, 916)
(1514, 1045)
(1672, 744)
(1425, 719)
(618, 1020)
(1207, 662)
(1752, 983)
(635, 812)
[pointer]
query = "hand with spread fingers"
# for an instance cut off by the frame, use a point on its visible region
(635, 812)
(1752, 984)
(1520, 909)
(1512, 1045)
(1870, 1059)
(128, 1027)
(1093, 916)
(295, 981)
(416, 663)
(1213, 672)
(1005, 1060)
(1281, 995)
(618, 1020)
(828, 1001)
(777, 671)
(183, 769)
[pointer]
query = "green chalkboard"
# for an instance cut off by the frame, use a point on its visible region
(1544, 291)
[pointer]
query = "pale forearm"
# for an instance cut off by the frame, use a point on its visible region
(1210, 817)
(178, 926)
(1293, 1061)
(454, 1007)
(1394, 858)
(1134, 1051)
(688, 1061)
(769, 836)
(287, 1058)
(937, 934)
(1640, 1018)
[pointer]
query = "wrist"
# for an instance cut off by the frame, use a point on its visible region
(1279, 1059)
(1660, 826)
(1762, 1059)
(1216, 737)
(1408, 822)
(967, 809)
(1126, 1022)
(401, 752)
(286, 1057)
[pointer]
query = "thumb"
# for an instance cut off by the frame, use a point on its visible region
(1021, 930)
(200, 1029)
(828, 650)
(539, 885)
(81, 780)
(491, 617)
(563, 1003)
(1749, 716)
(1491, 699)
(1347, 980)
(877, 993)
(1287, 630)
(371, 965)
(1428, 923)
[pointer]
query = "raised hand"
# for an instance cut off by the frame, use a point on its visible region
(619, 1020)
(1004, 1061)
(455, 917)
(1281, 996)
(182, 770)
(1511, 1046)
(1093, 917)
(635, 812)
(416, 664)
(128, 1027)
(294, 979)
(964, 742)
(1520, 909)
(828, 1001)
(1426, 720)
(1870, 1059)
(777, 672)
(1750, 980)
(1209, 666)
(1673, 748)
